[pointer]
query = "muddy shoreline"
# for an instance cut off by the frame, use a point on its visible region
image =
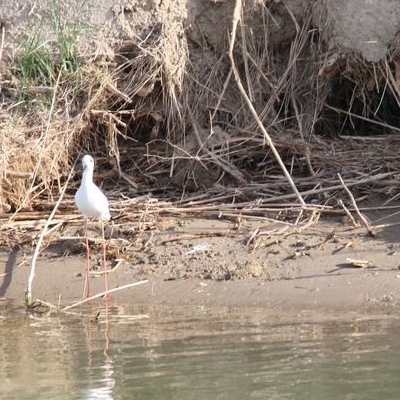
(291, 272)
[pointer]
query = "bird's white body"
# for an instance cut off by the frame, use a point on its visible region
(90, 200)
(92, 204)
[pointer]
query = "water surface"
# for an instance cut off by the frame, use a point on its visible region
(197, 353)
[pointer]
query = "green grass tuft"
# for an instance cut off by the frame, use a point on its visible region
(41, 60)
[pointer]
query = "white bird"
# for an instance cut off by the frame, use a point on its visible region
(92, 203)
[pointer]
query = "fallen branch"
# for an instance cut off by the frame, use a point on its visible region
(103, 293)
(119, 261)
(197, 236)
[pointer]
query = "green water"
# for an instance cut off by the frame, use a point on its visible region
(198, 353)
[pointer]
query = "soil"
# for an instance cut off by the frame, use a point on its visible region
(333, 266)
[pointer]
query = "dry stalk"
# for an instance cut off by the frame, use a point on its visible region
(3, 31)
(197, 236)
(45, 231)
(143, 108)
(235, 21)
(119, 262)
(224, 165)
(348, 213)
(360, 117)
(101, 294)
(42, 142)
(373, 178)
(353, 201)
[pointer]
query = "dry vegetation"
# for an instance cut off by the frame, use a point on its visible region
(165, 115)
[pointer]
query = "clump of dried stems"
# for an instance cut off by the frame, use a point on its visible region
(246, 128)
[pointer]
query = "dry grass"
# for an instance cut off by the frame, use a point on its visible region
(166, 116)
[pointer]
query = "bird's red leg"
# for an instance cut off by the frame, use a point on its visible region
(88, 294)
(104, 261)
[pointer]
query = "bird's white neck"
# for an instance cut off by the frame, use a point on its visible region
(87, 176)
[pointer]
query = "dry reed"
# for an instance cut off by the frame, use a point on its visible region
(165, 116)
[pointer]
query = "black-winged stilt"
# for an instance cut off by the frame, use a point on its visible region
(92, 203)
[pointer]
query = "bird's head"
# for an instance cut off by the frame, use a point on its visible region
(87, 161)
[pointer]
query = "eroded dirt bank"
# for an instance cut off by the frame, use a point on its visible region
(165, 55)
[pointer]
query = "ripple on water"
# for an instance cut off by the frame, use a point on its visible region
(198, 353)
